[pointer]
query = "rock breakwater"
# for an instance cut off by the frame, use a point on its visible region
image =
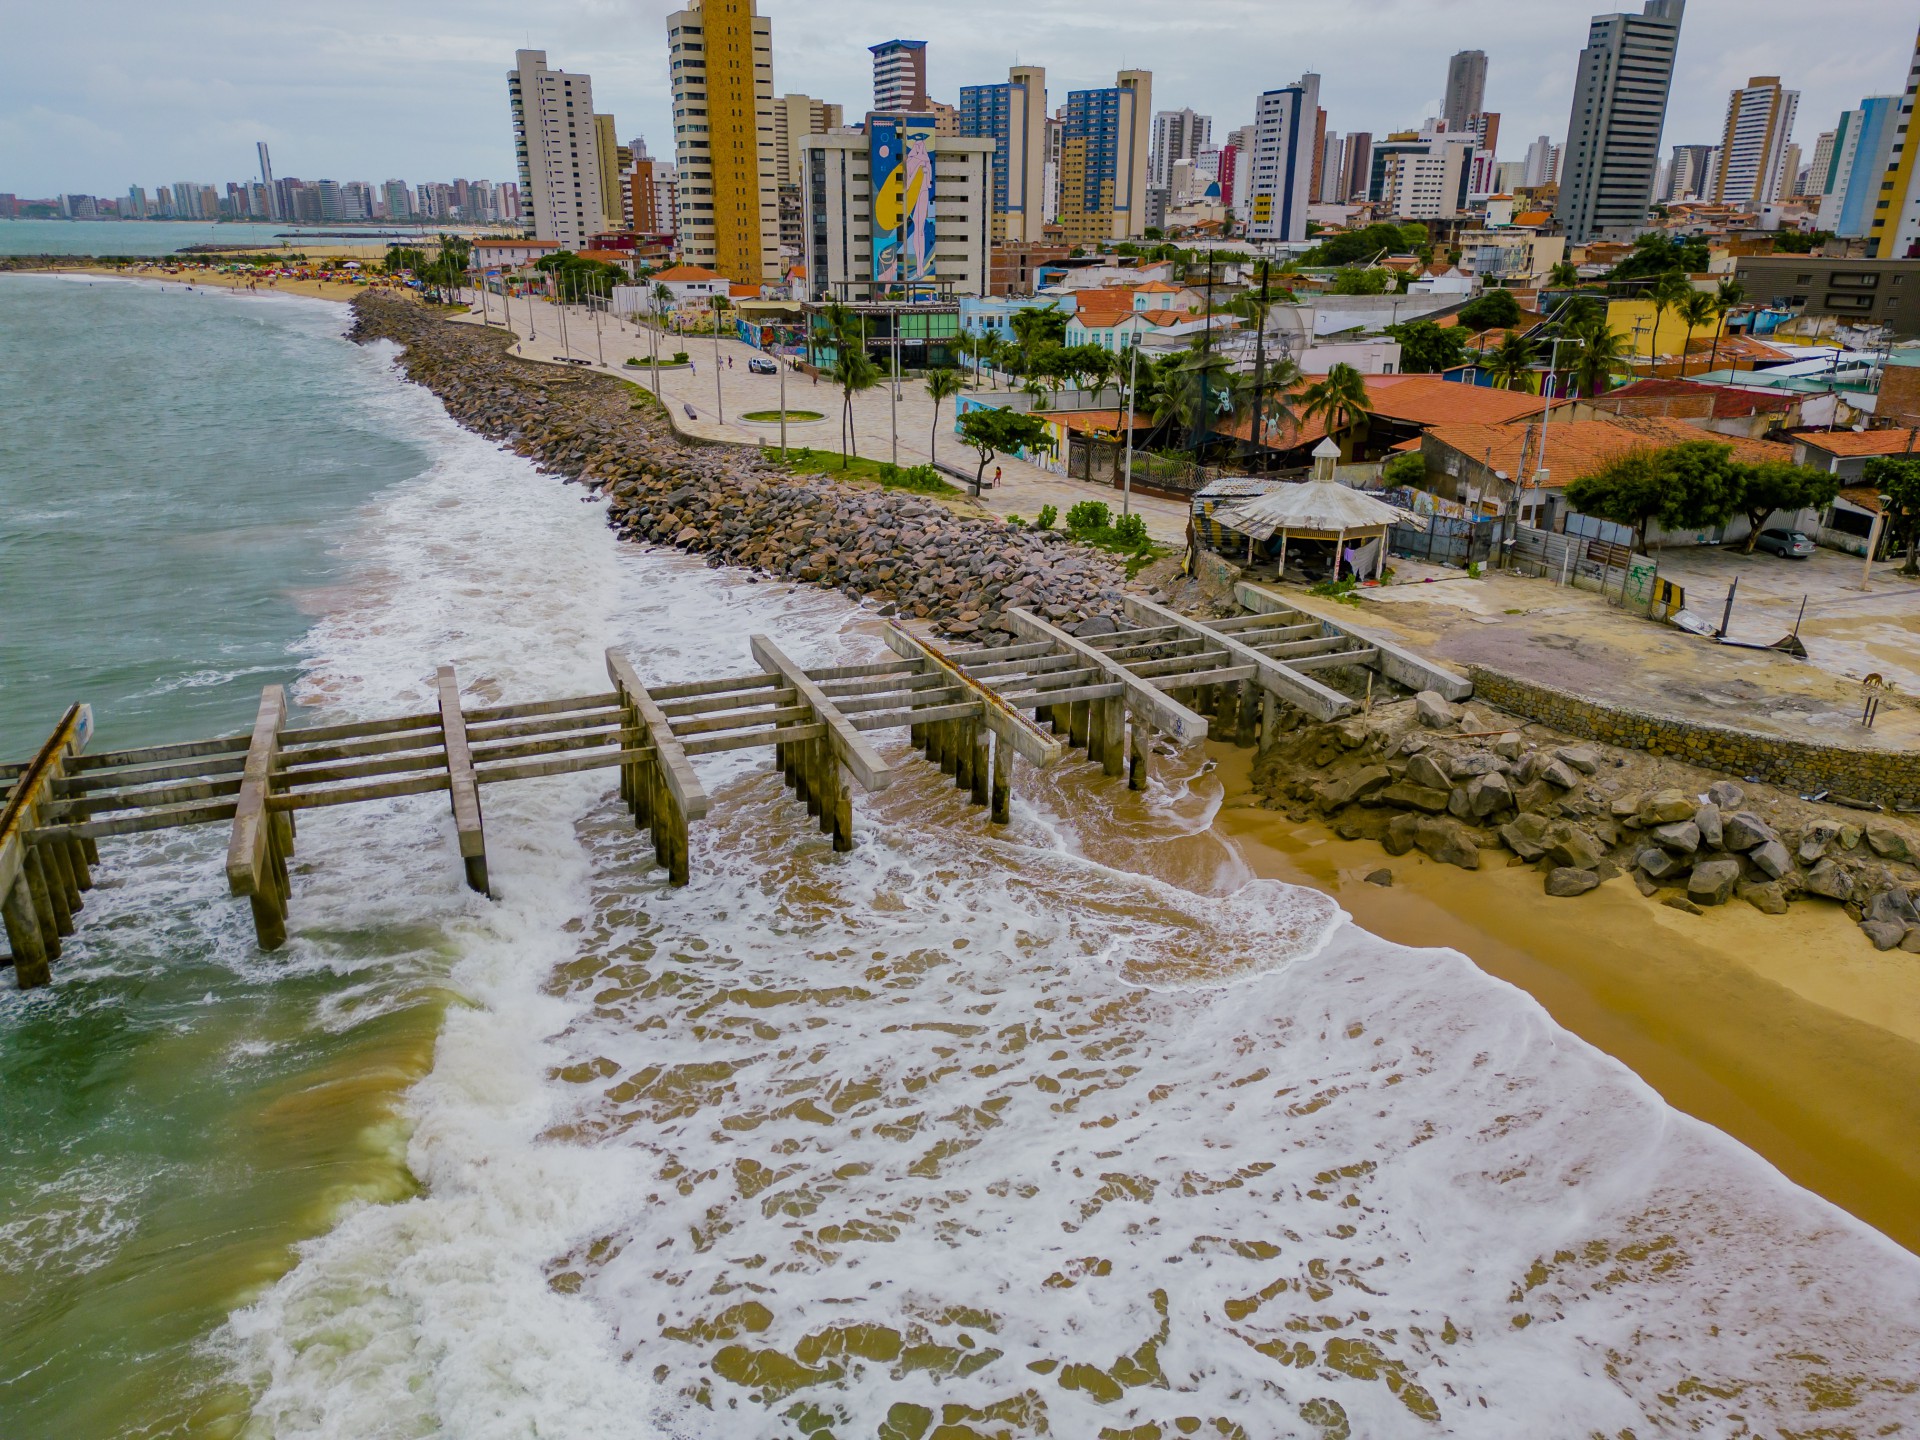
(1464, 786)
(917, 558)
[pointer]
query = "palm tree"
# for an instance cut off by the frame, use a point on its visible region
(1564, 276)
(1512, 363)
(1669, 292)
(941, 385)
(1697, 309)
(853, 370)
(1603, 354)
(1731, 295)
(1339, 401)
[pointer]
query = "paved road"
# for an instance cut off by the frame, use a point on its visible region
(878, 426)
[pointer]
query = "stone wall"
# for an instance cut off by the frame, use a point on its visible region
(1891, 777)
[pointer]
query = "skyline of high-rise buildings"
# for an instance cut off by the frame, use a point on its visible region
(1620, 92)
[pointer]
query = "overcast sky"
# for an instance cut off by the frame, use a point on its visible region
(98, 94)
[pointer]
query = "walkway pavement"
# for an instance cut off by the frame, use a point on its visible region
(905, 435)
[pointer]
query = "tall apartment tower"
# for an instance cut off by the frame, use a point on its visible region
(1359, 171)
(795, 117)
(1285, 122)
(1103, 160)
(606, 152)
(1466, 88)
(721, 53)
(555, 146)
(1014, 116)
(899, 76)
(1894, 232)
(1753, 147)
(1619, 109)
(1691, 172)
(1863, 147)
(1177, 135)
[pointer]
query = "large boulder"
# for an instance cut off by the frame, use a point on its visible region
(1707, 819)
(1682, 837)
(1510, 745)
(1725, 794)
(1768, 898)
(1408, 796)
(1357, 786)
(1771, 859)
(1816, 842)
(1712, 881)
(1663, 807)
(1446, 842)
(1434, 711)
(1894, 907)
(1565, 881)
(1575, 847)
(1430, 769)
(1580, 757)
(1658, 863)
(1399, 837)
(1525, 835)
(1885, 934)
(1559, 774)
(1489, 795)
(1743, 830)
(1830, 880)
(1888, 843)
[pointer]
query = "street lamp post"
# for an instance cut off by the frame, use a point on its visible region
(1133, 385)
(719, 397)
(893, 387)
(783, 407)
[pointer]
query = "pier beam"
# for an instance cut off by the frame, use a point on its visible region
(1000, 809)
(678, 798)
(30, 958)
(982, 764)
(256, 866)
(1113, 735)
(1140, 751)
(1245, 716)
(465, 793)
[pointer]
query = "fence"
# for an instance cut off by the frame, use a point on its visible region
(1593, 563)
(1447, 541)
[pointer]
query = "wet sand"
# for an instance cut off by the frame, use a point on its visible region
(1790, 1033)
(341, 291)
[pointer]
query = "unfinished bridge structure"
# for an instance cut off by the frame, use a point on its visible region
(970, 712)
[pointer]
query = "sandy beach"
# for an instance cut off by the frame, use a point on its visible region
(1789, 1035)
(341, 292)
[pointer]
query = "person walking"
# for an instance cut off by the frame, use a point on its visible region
(996, 477)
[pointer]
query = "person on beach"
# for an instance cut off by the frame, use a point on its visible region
(996, 477)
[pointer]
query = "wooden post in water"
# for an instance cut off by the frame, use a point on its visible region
(1269, 718)
(980, 770)
(1077, 724)
(255, 866)
(43, 873)
(465, 793)
(31, 965)
(1245, 715)
(1000, 810)
(1113, 731)
(677, 797)
(963, 754)
(1140, 752)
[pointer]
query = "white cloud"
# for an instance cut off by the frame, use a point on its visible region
(365, 89)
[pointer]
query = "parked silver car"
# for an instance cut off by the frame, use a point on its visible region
(1789, 543)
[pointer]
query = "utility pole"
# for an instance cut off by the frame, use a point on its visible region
(719, 398)
(778, 360)
(1133, 385)
(599, 344)
(1259, 354)
(1203, 423)
(893, 386)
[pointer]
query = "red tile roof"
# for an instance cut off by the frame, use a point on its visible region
(679, 274)
(1097, 419)
(1729, 403)
(1578, 447)
(1854, 443)
(1430, 400)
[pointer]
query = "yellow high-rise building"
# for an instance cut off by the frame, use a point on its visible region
(721, 54)
(1895, 230)
(606, 154)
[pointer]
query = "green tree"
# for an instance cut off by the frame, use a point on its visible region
(1602, 354)
(1769, 486)
(1497, 309)
(1627, 490)
(853, 371)
(1730, 295)
(1404, 469)
(1339, 401)
(1702, 484)
(1655, 253)
(1355, 280)
(1427, 348)
(1034, 327)
(941, 385)
(1793, 242)
(1898, 478)
(998, 432)
(1697, 309)
(1564, 276)
(1512, 364)
(1669, 292)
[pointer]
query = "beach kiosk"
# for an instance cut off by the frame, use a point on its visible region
(1322, 513)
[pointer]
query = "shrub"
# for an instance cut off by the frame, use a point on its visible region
(1016, 522)
(1407, 469)
(633, 362)
(1048, 514)
(679, 357)
(1088, 517)
(1131, 530)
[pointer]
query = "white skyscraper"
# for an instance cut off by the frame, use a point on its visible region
(1177, 135)
(1284, 124)
(1752, 168)
(1619, 109)
(553, 141)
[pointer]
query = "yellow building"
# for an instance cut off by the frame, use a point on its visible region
(606, 150)
(1634, 321)
(1896, 217)
(721, 53)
